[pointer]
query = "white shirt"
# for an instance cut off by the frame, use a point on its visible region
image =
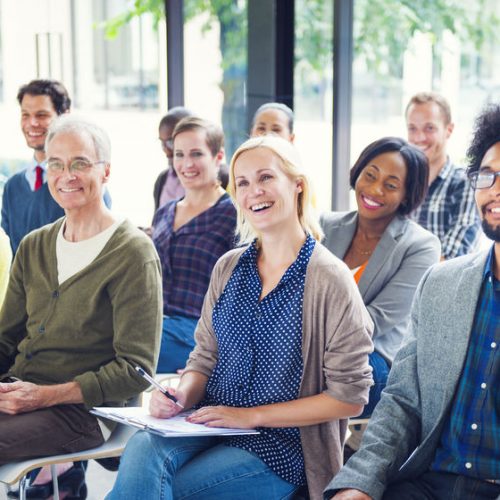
(30, 172)
(73, 256)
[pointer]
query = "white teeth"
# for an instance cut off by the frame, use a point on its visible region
(69, 190)
(495, 210)
(371, 203)
(260, 206)
(189, 174)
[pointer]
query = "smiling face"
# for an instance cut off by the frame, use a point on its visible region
(266, 196)
(488, 200)
(194, 163)
(272, 121)
(428, 131)
(380, 188)
(76, 190)
(37, 113)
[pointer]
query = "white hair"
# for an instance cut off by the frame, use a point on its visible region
(71, 124)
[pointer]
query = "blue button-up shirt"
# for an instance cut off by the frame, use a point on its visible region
(470, 442)
(260, 355)
(189, 254)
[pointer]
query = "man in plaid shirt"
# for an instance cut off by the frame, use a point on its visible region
(448, 210)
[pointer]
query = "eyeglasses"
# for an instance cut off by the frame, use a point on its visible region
(167, 143)
(483, 180)
(78, 166)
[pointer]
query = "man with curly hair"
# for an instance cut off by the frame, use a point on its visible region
(448, 210)
(435, 432)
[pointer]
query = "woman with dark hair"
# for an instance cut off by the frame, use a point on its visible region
(386, 252)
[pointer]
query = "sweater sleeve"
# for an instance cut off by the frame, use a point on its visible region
(338, 309)
(13, 315)
(136, 301)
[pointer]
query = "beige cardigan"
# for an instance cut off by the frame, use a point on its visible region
(336, 341)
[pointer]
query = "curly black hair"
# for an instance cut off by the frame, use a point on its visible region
(486, 132)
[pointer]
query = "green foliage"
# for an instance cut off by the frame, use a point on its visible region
(382, 28)
(140, 7)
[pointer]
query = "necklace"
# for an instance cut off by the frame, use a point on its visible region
(361, 252)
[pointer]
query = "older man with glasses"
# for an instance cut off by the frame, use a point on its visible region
(435, 433)
(83, 308)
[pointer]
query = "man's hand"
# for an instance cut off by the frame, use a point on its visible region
(224, 416)
(351, 494)
(22, 397)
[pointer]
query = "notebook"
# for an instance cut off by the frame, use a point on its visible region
(176, 426)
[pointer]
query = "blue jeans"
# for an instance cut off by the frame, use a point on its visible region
(157, 468)
(380, 373)
(177, 342)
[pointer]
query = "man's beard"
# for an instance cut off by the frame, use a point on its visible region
(492, 232)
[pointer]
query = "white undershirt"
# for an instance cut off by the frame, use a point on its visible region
(355, 270)
(73, 256)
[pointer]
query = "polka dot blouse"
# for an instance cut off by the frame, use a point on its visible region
(260, 355)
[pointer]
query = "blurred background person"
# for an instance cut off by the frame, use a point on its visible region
(190, 234)
(448, 210)
(273, 118)
(167, 185)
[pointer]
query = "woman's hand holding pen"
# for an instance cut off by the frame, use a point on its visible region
(162, 407)
(225, 416)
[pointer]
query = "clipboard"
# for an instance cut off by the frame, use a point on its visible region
(177, 426)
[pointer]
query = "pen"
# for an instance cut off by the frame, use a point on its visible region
(153, 382)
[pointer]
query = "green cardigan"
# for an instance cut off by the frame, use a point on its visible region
(94, 327)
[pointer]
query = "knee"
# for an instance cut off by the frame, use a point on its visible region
(138, 450)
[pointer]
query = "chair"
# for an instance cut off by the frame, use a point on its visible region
(15, 472)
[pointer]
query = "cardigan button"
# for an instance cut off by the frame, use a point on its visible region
(29, 355)
(41, 329)
(55, 294)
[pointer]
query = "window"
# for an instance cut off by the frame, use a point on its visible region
(313, 93)
(215, 65)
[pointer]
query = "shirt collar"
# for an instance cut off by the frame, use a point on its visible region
(298, 267)
(34, 163)
(447, 169)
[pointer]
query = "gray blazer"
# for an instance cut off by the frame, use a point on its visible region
(404, 430)
(391, 276)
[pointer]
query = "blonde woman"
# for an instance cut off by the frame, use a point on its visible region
(282, 345)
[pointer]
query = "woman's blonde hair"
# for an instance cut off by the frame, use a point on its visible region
(292, 167)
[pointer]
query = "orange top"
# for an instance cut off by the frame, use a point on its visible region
(359, 272)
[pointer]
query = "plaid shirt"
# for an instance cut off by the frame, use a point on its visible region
(449, 212)
(470, 442)
(189, 254)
